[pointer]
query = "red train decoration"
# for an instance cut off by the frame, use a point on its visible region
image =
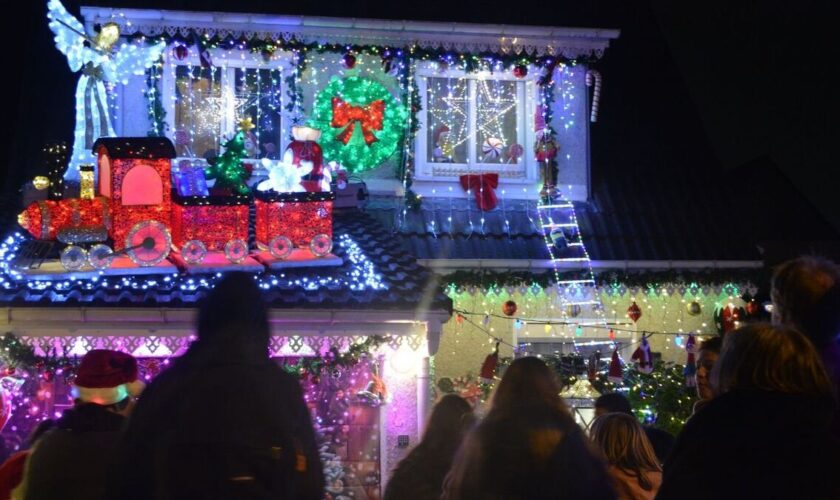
(137, 210)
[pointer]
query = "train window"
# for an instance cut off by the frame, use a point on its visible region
(104, 175)
(142, 186)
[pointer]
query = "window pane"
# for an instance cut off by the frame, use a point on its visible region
(496, 135)
(447, 117)
(199, 109)
(258, 96)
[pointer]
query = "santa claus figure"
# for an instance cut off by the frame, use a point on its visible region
(304, 151)
(443, 146)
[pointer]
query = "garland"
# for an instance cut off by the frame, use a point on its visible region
(488, 281)
(333, 360)
(157, 112)
(467, 61)
(16, 355)
(360, 121)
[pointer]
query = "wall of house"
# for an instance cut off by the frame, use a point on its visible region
(465, 344)
(570, 119)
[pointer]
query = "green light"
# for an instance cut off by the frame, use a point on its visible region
(357, 154)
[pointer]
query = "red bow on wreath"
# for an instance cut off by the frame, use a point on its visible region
(484, 186)
(346, 115)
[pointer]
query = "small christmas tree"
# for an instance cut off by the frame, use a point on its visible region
(228, 170)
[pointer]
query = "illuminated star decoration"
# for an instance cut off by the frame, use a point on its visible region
(492, 107)
(451, 111)
(246, 124)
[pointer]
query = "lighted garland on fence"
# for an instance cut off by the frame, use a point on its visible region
(157, 112)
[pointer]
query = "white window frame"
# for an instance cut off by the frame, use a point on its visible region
(228, 67)
(431, 184)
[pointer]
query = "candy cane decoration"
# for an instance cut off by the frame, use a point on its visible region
(595, 75)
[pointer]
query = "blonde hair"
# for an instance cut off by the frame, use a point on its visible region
(626, 446)
(770, 358)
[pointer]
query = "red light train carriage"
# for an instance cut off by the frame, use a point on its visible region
(137, 209)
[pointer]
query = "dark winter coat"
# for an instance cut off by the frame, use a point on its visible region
(754, 444)
(224, 422)
(74, 459)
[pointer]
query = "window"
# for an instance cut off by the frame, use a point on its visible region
(473, 123)
(208, 103)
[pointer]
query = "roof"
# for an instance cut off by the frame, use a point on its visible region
(464, 37)
(682, 215)
(376, 274)
(136, 147)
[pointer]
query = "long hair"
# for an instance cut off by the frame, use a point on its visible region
(451, 418)
(421, 473)
(623, 441)
(528, 381)
(769, 357)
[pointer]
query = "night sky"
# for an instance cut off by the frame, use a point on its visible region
(703, 86)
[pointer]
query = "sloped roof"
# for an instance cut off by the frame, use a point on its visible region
(403, 283)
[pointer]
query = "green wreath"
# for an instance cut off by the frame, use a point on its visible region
(361, 122)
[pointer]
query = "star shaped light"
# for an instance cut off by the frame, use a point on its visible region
(246, 124)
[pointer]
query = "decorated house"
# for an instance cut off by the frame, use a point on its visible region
(415, 198)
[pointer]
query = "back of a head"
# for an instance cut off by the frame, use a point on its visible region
(527, 382)
(806, 294)
(450, 419)
(712, 344)
(614, 402)
(624, 443)
(235, 303)
(773, 358)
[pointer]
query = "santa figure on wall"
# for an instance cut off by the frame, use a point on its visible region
(642, 356)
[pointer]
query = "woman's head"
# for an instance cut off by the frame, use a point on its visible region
(625, 445)
(806, 295)
(769, 357)
(527, 381)
(706, 357)
(450, 419)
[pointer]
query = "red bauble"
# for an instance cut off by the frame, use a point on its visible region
(459, 319)
(349, 60)
(634, 312)
(520, 71)
(509, 308)
(180, 52)
(752, 308)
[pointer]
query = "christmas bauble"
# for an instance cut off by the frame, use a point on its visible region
(573, 310)
(492, 148)
(349, 60)
(509, 308)
(693, 308)
(40, 182)
(520, 71)
(180, 52)
(634, 312)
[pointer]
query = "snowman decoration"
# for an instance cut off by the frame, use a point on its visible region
(302, 167)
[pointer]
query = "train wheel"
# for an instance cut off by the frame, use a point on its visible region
(321, 245)
(236, 251)
(148, 243)
(193, 251)
(73, 257)
(101, 256)
(281, 247)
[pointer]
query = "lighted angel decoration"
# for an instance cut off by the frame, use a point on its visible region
(102, 61)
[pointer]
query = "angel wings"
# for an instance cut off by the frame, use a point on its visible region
(101, 58)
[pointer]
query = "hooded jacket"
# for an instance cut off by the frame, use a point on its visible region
(224, 421)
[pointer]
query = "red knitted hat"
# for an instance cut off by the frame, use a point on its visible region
(106, 377)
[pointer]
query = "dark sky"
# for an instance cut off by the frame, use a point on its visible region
(688, 84)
